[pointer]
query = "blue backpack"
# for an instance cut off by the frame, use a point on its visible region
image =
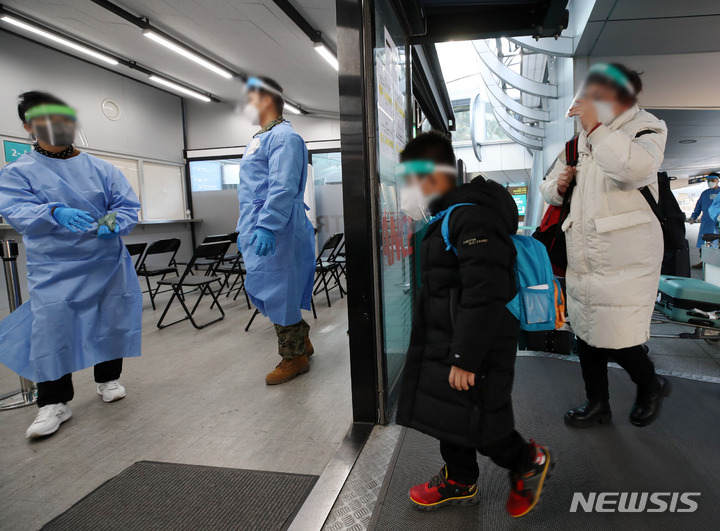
(539, 304)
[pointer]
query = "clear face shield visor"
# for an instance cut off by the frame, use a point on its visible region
(254, 84)
(606, 72)
(56, 125)
(409, 176)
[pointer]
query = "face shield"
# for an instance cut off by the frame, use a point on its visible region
(56, 125)
(409, 175)
(609, 74)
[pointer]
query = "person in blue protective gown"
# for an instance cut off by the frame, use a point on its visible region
(85, 302)
(275, 236)
(708, 222)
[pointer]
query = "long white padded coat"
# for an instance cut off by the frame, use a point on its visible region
(614, 240)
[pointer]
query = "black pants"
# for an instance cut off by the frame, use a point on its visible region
(512, 452)
(634, 360)
(60, 391)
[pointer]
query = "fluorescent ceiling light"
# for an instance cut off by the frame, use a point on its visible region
(327, 54)
(179, 88)
(292, 108)
(187, 53)
(60, 40)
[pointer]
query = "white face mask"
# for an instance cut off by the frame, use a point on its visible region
(251, 113)
(712, 184)
(605, 113)
(414, 203)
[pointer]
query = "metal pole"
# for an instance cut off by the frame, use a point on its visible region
(26, 395)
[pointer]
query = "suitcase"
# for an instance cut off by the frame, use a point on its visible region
(679, 297)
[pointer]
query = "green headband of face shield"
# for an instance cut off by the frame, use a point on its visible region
(50, 109)
(614, 74)
(422, 167)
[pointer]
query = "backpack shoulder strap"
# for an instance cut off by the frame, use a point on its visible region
(445, 227)
(654, 205)
(572, 154)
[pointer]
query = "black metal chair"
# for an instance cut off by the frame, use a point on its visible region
(136, 249)
(204, 264)
(169, 246)
(326, 265)
(236, 267)
(213, 253)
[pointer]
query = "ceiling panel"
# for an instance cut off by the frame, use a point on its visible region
(699, 158)
(255, 37)
(664, 8)
(658, 37)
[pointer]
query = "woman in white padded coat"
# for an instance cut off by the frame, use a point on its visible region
(614, 241)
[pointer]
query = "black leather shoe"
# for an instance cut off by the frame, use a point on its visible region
(647, 407)
(590, 413)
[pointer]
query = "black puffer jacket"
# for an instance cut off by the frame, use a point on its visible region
(461, 319)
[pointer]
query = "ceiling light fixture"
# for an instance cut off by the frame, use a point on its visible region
(187, 53)
(292, 108)
(179, 88)
(58, 39)
(327, 54)
(688, 141)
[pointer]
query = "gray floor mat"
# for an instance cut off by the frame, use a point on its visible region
(164, 496)
(680, 452)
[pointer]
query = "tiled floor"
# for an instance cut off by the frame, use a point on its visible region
(196, 397)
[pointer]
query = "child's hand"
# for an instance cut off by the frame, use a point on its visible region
(460, 379)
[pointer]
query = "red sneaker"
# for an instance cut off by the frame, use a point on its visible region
(441, 491)
(525, 489)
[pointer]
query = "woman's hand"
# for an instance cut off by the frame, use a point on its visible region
(585, 110)
(460, 379)
(564, 180)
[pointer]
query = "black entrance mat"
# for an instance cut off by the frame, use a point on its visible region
(156, 496)
(680, 452)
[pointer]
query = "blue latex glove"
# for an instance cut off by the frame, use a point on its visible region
(265, 241)
(104, 232)
(73, 219)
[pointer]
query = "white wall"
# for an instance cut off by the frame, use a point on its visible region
(151, 121)
(681, 81)
(223, 125)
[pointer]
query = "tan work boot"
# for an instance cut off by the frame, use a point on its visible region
(287, 370)
(309, 349)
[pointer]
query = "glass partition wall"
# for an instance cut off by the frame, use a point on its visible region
(392, 113)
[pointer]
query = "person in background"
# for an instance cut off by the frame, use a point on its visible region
(85, 304)
(460, 365)
(614, 241)
(708, 223)
(276, 237)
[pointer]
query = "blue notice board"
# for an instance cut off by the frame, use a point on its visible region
(14, 150)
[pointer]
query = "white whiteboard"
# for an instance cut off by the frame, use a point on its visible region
(129, 168)
(163, 191)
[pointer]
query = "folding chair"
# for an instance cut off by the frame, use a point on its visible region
(326, 265)
(169, 246)
(235, 267)
(203, 264)
(212, 252)
(136, 249)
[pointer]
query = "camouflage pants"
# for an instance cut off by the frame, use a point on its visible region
(291, 339)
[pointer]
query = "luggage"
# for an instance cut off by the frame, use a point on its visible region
(688, 300)
(677, 263)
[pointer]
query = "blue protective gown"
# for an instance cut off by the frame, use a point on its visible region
(708, 222)
(273, 173)
(85, 302)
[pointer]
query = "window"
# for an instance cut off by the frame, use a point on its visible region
(327, 168)
(214, 175)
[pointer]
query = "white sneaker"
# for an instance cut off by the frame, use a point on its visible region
(111, 391)
(48, 420)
